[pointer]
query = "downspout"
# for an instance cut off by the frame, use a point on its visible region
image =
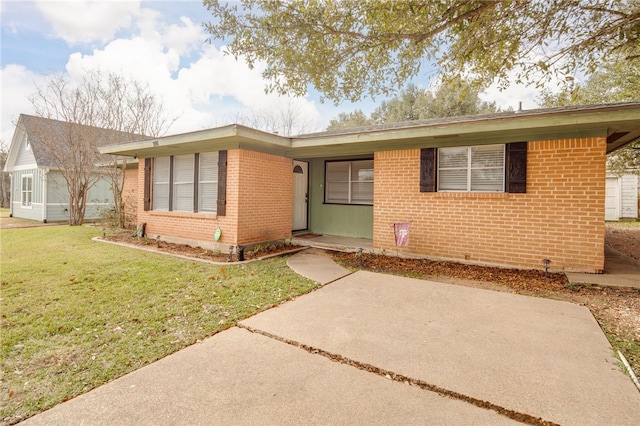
(11, 194)
(45, 207)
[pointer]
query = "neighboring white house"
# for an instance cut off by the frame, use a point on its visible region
(38, 188)
(621, 200)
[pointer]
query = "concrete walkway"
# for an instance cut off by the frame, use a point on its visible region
(379, 349)
(619, 271)
(317, 265)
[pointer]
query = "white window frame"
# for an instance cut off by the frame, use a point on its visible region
(470, 168)
(23, 192)
(350, 181)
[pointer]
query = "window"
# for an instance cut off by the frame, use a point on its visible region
(161, 172)
(208, 182)
(187, 183)
(476, 168)
(349, 182)
(482, 168)
(27, 190)
(183, 177)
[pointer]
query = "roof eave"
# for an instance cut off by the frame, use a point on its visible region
(599, 121)
(227, 137)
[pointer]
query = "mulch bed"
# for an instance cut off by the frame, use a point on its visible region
(516, 279)
(258, 252)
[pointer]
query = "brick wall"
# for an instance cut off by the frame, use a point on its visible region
(130, 197)
(561, 217)
(266, 197)
(259, 204)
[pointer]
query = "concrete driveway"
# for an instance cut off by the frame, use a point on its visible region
(379, 349)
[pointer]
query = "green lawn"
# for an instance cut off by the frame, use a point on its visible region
(78, 313)
(635, 224)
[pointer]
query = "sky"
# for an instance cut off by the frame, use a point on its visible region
(163, 44)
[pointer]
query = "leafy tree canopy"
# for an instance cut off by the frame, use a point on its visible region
(615, 81)
(452, 98)
(348, 120)
(348, 49)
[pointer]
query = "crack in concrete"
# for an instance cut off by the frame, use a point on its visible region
(512, 414)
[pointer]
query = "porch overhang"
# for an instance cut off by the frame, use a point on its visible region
(619, 123)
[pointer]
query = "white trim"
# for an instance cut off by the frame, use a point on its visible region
(24, 167)
(23, 191)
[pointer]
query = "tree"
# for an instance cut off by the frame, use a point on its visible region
(102, 109)
(5, 180)
(286, 118)
(346, 120)
(616, 81)
(452, 98)
(351, 48)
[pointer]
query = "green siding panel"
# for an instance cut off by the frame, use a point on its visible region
(335, 219)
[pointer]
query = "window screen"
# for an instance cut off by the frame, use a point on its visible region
(161, 171)
(476, 168)
(349, 182)
(208, 182)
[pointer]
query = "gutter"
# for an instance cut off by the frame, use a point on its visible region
(45, 204)
(12, 194)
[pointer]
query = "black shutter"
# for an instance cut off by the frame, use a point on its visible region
(516, 167)
(428, 175)
(222, 183)
(147, 184)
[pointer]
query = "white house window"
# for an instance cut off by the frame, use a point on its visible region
(349, 182)
(474, 169)
(27, 190)
(161, 173)
(208, 182)
(186, 183)
(182, 174)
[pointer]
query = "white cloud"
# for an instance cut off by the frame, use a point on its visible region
(208, 90)
(17, 84)
(197, 83)
(83, 22)
(184, 38)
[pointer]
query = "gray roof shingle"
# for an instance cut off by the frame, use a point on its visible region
(44, 133)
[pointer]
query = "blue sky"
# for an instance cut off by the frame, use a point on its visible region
(159, 42)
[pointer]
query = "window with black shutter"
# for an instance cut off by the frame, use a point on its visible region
(187, 183)
(480, 168)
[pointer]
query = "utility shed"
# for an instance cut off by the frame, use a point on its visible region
(621, 197)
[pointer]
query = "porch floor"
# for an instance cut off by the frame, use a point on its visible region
(332, 242)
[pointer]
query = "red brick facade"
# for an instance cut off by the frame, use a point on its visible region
(259, 202)
(560, 217)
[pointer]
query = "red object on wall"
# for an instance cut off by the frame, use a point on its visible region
(402, 233)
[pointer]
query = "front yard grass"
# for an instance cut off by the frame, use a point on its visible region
(76, 313)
